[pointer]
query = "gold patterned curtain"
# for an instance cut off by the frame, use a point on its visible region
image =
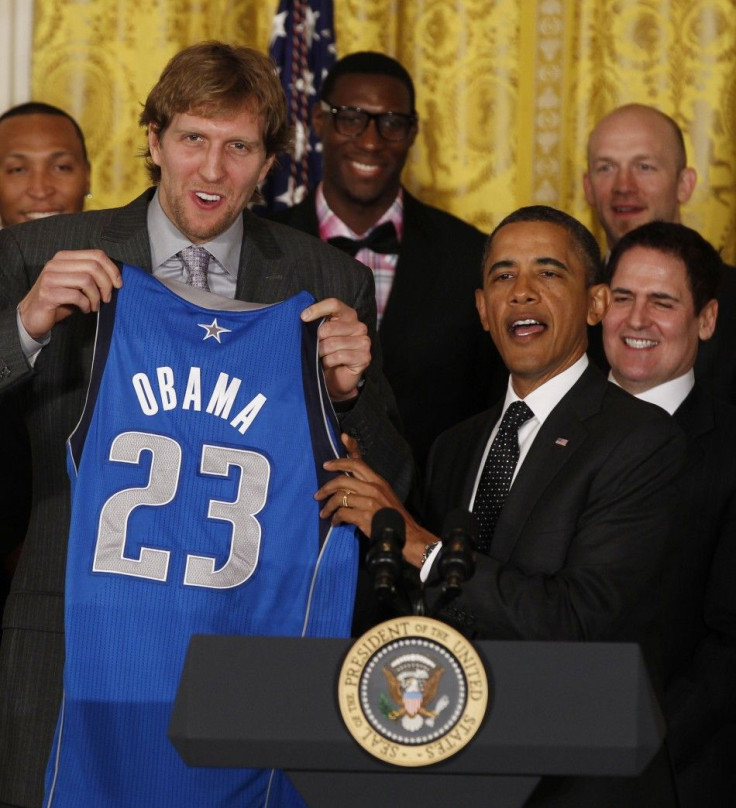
(507, 90)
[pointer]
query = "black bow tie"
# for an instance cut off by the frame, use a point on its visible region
(381, 239)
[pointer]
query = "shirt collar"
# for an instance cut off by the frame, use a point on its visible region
(167, 240)
(668, 395)
(548, 395)
(331, 225)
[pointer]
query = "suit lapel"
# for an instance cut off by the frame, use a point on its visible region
(471, 456)
(304, 215)
(125, 237)
(555, 445)
(696, 418)
(263, 275)
(410, 278)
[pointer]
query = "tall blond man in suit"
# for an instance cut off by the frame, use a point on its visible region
(215, 121)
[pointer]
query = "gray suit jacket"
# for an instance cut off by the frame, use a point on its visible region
(276, 262)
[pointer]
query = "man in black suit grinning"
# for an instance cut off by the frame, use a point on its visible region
(215, 122)
(664, 280)
(426, 273)
(576, 549)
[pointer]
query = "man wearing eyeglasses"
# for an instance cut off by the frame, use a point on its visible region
(425, 262)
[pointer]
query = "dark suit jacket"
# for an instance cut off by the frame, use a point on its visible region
(276, 262)
(716, 363)
(700, 696)
(440, 363)
(15, 491)
(579, 548)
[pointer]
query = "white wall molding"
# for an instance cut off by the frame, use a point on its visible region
(16, 52)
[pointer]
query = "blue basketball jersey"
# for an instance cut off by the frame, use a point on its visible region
(193, 470)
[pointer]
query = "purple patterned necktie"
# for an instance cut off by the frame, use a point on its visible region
(498, 472)
(196, 260)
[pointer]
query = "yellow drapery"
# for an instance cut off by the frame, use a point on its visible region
(507, 90)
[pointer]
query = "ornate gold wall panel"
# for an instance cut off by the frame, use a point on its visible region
(507, 90)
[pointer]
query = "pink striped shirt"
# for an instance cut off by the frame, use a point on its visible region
(383, 265)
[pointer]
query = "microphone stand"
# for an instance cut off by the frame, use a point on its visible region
(384, 562)
(456, 562)
(384, 559)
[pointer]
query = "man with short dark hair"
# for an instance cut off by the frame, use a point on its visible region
(215, 121)
(425, 261)
(570, 480)
(43, 162)
(637, 173)
(664, 279)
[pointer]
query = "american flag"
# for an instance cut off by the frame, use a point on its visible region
(303, 47)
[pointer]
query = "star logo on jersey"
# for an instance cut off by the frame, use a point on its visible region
(214, 330)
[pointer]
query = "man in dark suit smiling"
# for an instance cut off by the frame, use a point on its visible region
(215, 121)
(426, 275)
(664, 280)
(575, 550)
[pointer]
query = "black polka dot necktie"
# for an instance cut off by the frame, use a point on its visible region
(498, 472)
(196, 260)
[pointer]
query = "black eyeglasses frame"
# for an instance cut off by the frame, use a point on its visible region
(410, 120)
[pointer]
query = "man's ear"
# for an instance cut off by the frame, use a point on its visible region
(266, 168)
(318, 119)
(588, 189)
(707, 319)
(154, 145)
(480, 304)
(599, 299)
(686, 183)
(413, 132)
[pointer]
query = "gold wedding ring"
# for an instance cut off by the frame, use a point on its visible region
(345, 496)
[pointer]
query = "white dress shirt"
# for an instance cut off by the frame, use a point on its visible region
(541, 402)
(668, 395)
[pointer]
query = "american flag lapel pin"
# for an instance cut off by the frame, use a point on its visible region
(561, 441)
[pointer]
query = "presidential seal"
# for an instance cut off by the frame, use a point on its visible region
(412, 691)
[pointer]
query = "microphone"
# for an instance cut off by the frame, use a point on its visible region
(456, 561)
(384, 560)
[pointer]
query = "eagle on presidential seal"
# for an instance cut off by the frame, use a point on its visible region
(413, 695)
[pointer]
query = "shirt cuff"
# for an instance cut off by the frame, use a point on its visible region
(427, 566)
(31, 347)
(341, 407)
